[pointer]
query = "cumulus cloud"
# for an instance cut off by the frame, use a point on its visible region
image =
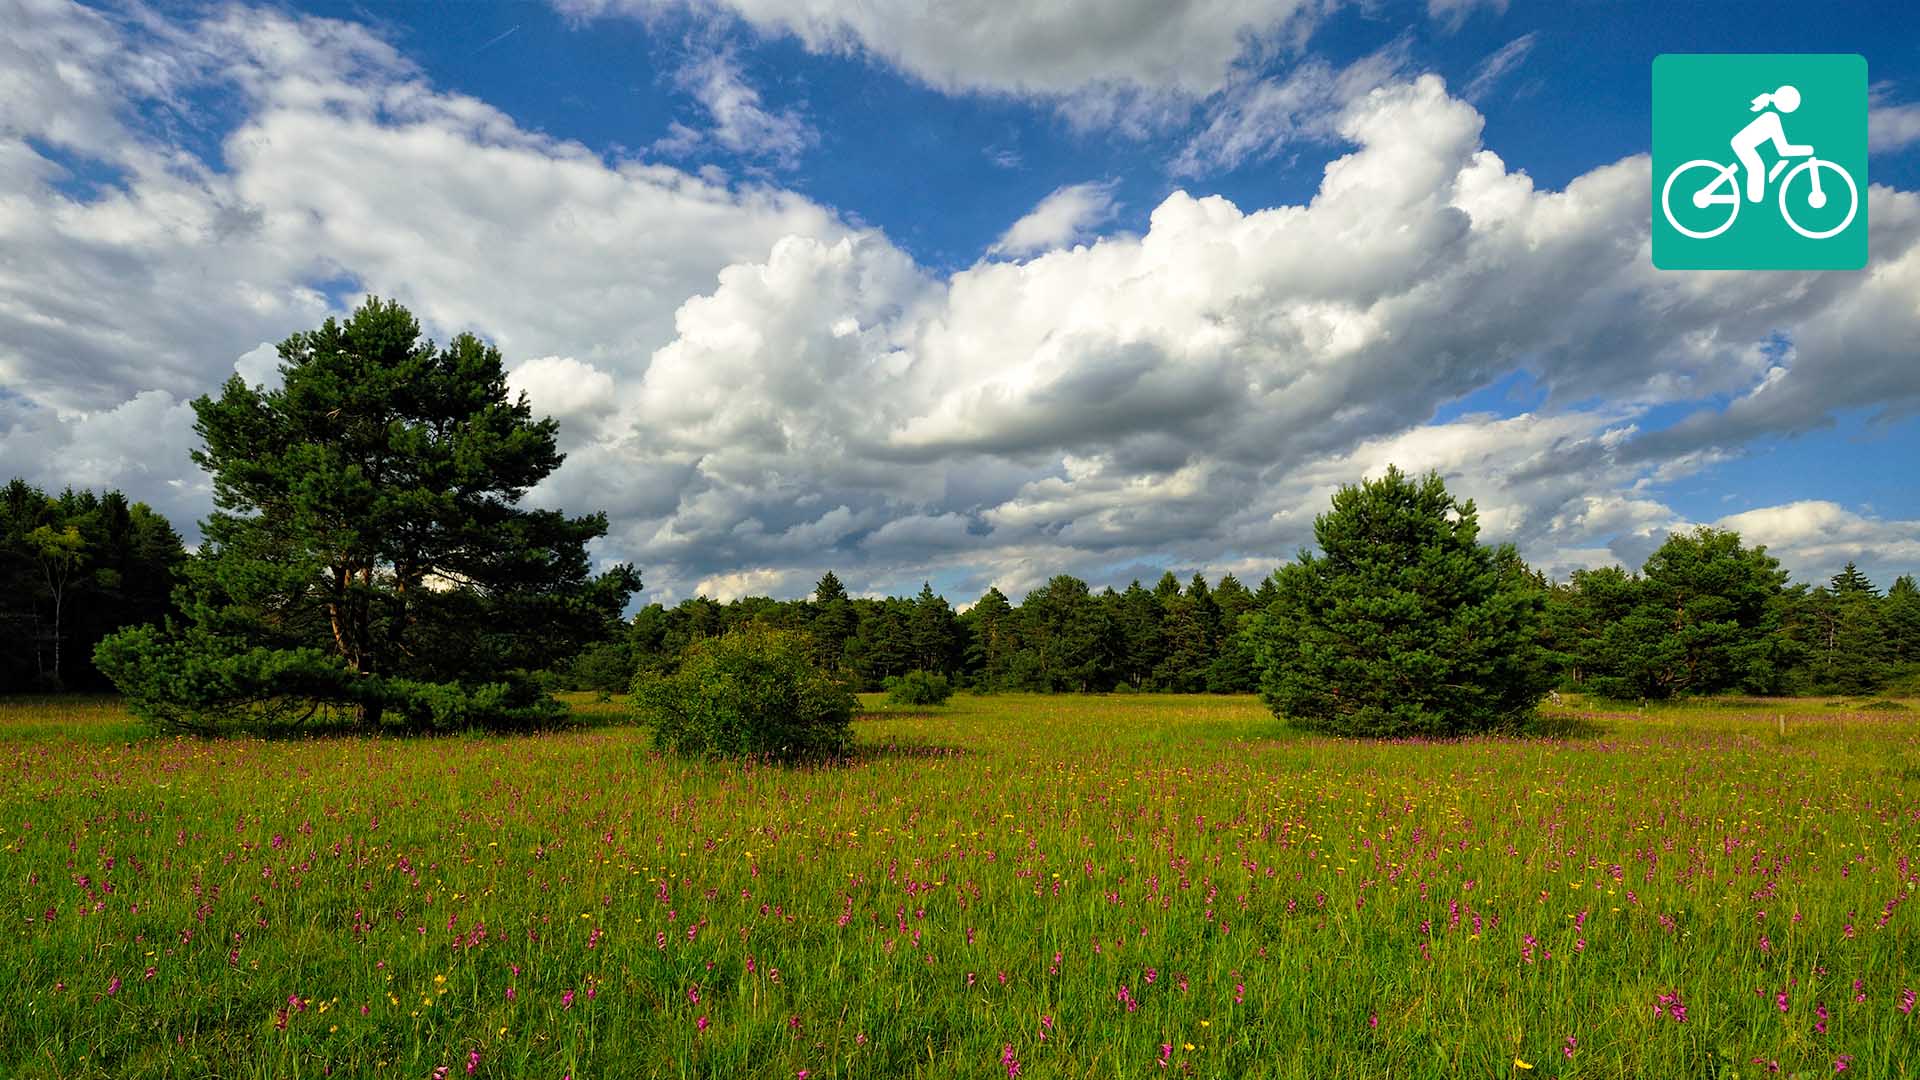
(1814, 538)
(336, 167)
(1056, 49)
(1193, 394)
(754, 390)
(1066, 215)
(563, 387)
(1891, 126)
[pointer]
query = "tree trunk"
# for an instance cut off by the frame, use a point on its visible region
(57, 678)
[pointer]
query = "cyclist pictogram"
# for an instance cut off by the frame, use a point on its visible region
(1761, 200)
(1720, 188)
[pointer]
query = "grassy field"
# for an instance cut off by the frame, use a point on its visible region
(1065, 886)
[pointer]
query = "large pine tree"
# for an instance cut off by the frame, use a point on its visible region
(369, 558)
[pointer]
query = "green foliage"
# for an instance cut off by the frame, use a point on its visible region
(1405, 624)
(368, 554)
(1704, 615)
(197, 682)
(73, 569)
(605, 666)
(919, 687)
(756, 692)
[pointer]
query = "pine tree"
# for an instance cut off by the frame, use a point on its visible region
(1142, 638)
(833, 620)
(368, 553)
(1852, 653)
(1901, 618)
(993, 640)
(1405, 624)
(933, 632)
(1851, 581)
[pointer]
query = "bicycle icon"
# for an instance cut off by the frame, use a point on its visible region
(1766, 129)
(1727, 176)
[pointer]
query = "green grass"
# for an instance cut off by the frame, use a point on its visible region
(984, 878)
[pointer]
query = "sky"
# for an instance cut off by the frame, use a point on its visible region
(976, 292)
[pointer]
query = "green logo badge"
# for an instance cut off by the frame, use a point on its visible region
(1760, 162)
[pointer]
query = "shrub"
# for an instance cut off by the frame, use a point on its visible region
(919, 688)
(606, 666)
(751, 693)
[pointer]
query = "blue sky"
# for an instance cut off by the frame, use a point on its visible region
(1096, 287)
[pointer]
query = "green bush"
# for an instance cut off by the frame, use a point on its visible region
(918, 688)
(606, 667)
(756, 692)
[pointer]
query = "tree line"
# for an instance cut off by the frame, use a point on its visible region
(369, 563)
(1705, 614)
(75, 567)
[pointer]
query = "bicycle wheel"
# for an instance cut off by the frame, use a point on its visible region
(1666, 200)
(1853, 198)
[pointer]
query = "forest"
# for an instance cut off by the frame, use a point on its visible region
(74, 567)
(1704, 615)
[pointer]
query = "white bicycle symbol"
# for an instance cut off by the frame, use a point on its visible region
(1727, 176)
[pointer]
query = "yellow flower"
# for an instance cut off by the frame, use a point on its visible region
(1518, 1064)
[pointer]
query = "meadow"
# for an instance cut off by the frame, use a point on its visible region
(1128, 886)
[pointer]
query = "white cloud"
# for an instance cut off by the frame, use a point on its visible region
(738, 121)
(342, 164)
(1454, 13)
(1066, 215)
(1815, 538)
(1058, 49)
(1498, 64)
(754, 390)
(563, 387)
(764, 581)
(1196, 392)
(1890, 126)
(1255, 119)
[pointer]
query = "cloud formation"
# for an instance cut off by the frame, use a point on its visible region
(1054, 49)
(756, 389)
(737, 119)
(1064, 217)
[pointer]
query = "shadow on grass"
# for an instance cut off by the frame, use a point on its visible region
(1564, 726)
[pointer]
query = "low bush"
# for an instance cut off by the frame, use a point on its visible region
(756, 692)
(918, 688)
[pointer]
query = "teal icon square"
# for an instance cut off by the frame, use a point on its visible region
(1789, 128)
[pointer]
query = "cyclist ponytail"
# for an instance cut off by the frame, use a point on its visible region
(1761, 102)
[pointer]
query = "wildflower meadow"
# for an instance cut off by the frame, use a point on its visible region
(1129, 886)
